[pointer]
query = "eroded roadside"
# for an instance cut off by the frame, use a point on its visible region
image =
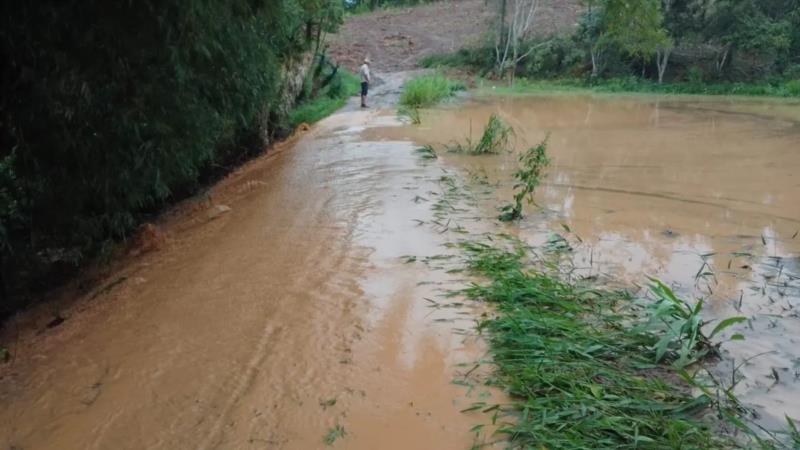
(285, 313)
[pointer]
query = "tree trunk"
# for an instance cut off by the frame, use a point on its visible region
(721, 62)
(662, 59)
(595, 63)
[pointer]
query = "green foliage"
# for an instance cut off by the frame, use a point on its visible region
(634, 84)
(579, 378)
(428, 90)
(635, 26)
(110, 109)
(412, 113)
(494, 139)
(695, 76)
(333, 434)
(793, 88)
(531, 167)
(729, 40)
(679, 324)
(333, 96)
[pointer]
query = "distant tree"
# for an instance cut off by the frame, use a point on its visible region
(634, 26)
(515, 21)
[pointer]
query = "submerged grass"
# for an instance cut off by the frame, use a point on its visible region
(495, 138)
(333, 434)
(427, 152)
(582, 376)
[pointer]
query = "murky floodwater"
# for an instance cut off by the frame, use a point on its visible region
(267, 326)
(314, 302)
(702, 193)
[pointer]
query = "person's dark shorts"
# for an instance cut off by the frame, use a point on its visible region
(364, 88)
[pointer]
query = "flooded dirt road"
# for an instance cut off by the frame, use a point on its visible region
(700, 192)
(311, 309)
(267, 326)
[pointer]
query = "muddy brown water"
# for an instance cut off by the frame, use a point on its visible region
(269, 325)
(316, 301)
(703, 193)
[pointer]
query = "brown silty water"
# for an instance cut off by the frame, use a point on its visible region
(317, 300)
(269, 325)
(702, 193)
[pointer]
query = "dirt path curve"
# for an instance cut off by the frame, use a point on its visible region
(268, 325)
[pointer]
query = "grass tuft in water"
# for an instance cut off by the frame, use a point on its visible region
(427, 152)
(495, 138)
(334, 434)
(581, 378)
(428, 90)
(532, 164)
(412, 113)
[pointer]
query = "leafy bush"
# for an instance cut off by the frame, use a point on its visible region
(552, 57)
(333, 96)
(793, 88)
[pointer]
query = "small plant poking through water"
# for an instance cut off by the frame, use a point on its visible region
(495, 138)
(412, 113)
(680, 325)
(532, 165)
(427, 152)
(334, 434)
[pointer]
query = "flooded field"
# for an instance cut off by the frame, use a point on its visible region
(302, 305)
(701, 193)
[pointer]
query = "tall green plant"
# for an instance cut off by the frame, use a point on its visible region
(680, 326)
(532, 165)
(494, 139)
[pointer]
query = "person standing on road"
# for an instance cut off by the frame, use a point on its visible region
(365, 79)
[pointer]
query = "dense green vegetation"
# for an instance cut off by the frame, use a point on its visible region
(637, 85)
(696, 46)
(111, 109)
(582, 373)
(326, 100)
(428, 90)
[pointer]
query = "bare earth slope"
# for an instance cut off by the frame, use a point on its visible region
(396, 39)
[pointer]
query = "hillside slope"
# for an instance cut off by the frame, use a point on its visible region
(396, 39)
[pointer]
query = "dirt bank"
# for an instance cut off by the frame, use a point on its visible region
(396, 39)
